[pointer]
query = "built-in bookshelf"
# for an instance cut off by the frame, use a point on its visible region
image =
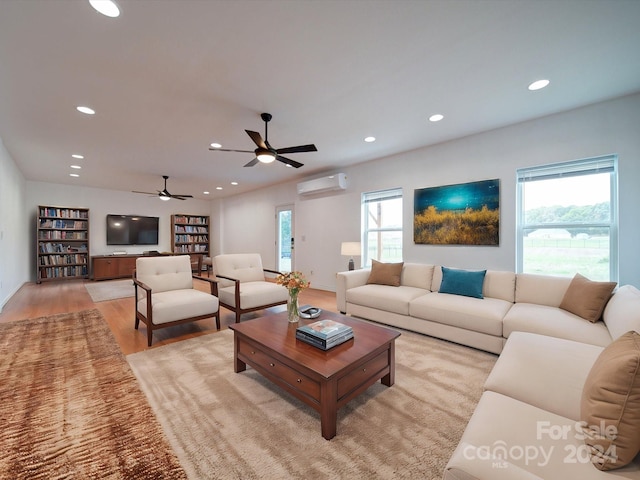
(190, 234)
(62, 243)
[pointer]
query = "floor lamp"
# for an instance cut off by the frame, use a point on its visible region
(350, 249)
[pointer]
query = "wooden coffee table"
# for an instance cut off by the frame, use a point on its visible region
(324, 380)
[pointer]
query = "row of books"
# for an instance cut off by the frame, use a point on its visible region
(62, 235)
(71, 259)
(191, 238)
(191, 220)
(61, 248)
(324, 334)
(194, 248)
(56, 272)
(63, 212)
(63, 224)
(188, 229)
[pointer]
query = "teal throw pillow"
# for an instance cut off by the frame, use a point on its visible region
(462, 282)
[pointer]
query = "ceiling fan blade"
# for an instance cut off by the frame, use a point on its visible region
(288, 161)
(178, 197)
(257, 139)
(298, 149)
(181, 196)
(252, 162)
(146, 193)
(228, 150)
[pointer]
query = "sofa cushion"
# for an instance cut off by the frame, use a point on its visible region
(504, 433)
(385, 273)
(381, 297)
(479, 315)
(462, 282)
(497, 284)
(555, 322)
(543, 371)
(610, 407)
(541, 289)
(417, 275)
(622, 313)
(587, 299)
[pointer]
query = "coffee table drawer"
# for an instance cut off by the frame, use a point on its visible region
(362, 374)
(280, 371)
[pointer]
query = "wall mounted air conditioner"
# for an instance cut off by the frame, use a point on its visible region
(337, 181)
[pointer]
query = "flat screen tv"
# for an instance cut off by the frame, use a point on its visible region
(132, 230)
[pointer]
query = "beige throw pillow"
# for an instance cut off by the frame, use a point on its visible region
(587, 299)
(610, 406)
(385, 273)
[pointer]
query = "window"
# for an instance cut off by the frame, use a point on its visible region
(382, 226)
(567, 219)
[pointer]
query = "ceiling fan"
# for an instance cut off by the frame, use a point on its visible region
(265, 153)
(164, 194)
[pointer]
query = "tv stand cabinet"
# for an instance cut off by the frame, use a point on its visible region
(108, 267)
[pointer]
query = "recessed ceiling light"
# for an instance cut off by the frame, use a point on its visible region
(234, 183)
(77, 167)
(74, 175)
(106, 7)
(79, 157)
(206, 193)
(87, 110)
(218, 188)
(216, 145)
(436, 118)
(537, 85)
(370, 139)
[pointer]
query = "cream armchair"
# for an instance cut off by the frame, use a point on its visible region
(243, 286)
(165, 295)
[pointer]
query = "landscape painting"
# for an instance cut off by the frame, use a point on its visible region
(462, 214)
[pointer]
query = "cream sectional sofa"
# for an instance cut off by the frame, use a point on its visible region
(527, 422)
(512, 302)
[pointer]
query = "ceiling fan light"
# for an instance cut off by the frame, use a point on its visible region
(164, 199)
(265, 156)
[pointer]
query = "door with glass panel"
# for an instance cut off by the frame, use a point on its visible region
(285, 247)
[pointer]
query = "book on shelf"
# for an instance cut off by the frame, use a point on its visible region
(324, 344)
(324, 329)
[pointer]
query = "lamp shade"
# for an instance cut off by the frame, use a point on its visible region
(350, 249)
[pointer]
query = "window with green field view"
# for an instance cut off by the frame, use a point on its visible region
(382, 226)
(567, 219)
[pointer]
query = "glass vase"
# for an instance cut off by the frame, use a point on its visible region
(292, 308)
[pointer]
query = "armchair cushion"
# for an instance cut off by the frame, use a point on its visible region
(254, 294)
(164, 273)
(246, 267)
(172, 305)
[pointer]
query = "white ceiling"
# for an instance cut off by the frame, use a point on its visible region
(168, 77)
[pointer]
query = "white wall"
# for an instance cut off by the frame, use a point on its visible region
(102, 202)
(323, 222)
(14, 230)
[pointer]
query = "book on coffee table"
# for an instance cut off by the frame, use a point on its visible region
(324, 334)
(324, 329)
(324, 344)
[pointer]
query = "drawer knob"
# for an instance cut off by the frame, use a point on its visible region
(272, 364)
(299, 380)
(364, 369)
(253, 352)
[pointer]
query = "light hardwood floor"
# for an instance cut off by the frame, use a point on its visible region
(50, 298)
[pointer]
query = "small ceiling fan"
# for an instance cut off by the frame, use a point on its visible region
(164, 194)
(265, 153)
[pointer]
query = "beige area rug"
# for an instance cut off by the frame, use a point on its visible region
(110, 289)
(70, 407)
(225, 425)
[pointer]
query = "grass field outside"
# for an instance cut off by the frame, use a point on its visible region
(567, 256)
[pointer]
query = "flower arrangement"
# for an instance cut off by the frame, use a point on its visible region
(293, 281)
